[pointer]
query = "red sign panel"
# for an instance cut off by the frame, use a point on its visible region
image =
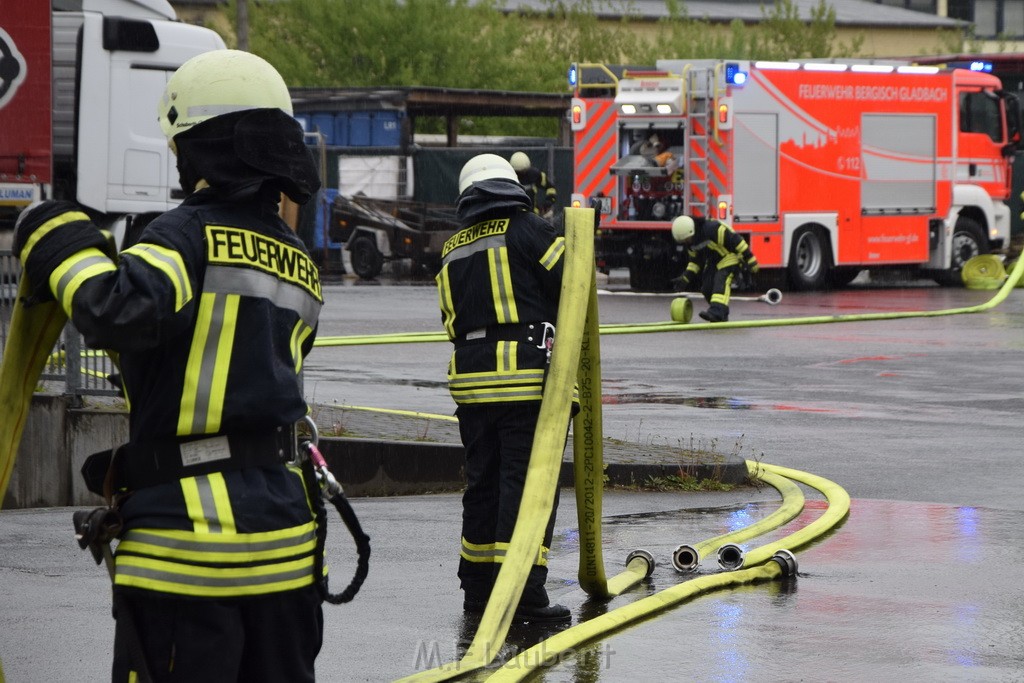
(25, 92)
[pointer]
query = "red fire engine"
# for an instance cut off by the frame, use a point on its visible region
(826, 168)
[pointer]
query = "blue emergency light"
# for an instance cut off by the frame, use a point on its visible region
(976, 65)
(733, 74)
(573, 75)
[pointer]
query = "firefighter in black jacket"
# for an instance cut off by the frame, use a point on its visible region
(499, 287)
(715, 251)
(211, 313)
(542, 193)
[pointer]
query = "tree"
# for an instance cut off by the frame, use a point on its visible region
(480, 45)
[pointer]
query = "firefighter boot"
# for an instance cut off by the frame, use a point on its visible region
(716, 313)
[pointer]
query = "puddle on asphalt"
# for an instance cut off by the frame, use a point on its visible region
(899, 590)
(711, 402)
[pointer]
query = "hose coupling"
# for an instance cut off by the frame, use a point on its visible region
(773, 296)
(786, 560)
(730, 557)
(685, 558)
(645, 556)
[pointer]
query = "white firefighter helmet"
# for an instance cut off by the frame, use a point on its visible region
(519, 161)
(683, 228)
(485, 167)
(220, 82)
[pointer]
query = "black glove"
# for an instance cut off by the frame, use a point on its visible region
(48, 233)
(750, 264)
(679, 284)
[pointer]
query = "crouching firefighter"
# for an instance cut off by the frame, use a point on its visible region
(218, 572)
(718, 254)
(499, 287)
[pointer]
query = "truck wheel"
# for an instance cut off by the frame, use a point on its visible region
(810, 260)
(367, 261)
(968, 242)
(651, 267)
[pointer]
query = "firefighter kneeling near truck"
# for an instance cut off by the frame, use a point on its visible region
(718, 254)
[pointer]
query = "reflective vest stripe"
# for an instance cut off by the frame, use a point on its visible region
(207, 504)
(300, 333)
(501, 286)
(168, 262)
(202, 400)
(505, 356)
(187, 579)
(261, 285)
(554, 252)
(461, 380)
(723, 297)
(74, 271)
(205, 548)
(444, 294)
(496, 552)
(48, 227)
(534, 393)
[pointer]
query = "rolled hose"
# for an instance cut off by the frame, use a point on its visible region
(778, 563)
(545, 456)
(984, 271)
(687, 557)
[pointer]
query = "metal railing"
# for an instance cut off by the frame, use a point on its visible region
(82, 371)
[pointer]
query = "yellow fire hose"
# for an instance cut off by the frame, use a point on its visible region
(688, 557)
(588, 469)
(565, 642)
(545, 457)
(1016, 275)
(33, 332)
(839, 506)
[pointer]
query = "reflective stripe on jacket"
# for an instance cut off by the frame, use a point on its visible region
(211, 313)
(506, 269)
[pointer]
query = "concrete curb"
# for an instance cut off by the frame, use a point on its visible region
(390, 457)
(374, 467)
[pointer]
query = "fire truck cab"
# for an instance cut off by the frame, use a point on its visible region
(826, 168)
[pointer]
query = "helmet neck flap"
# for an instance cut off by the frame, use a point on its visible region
(241, 153)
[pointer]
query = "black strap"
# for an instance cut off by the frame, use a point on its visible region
(527, 333)
(138, 465)
(348, 516)
(133, 641)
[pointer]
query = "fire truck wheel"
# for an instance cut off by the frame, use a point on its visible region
(367, 261)
(810, 260)
(968, 242)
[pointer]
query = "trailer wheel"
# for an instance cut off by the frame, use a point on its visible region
(367, 261)
(968, 242)
(810, 260)
(652, 265)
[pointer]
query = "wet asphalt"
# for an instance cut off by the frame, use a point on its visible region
(918, 419)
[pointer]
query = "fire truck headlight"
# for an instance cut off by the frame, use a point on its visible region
(628, 109)
(664, 108)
